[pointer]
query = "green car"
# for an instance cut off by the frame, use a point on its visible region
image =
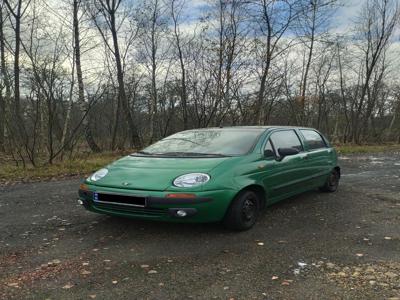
(214, 174)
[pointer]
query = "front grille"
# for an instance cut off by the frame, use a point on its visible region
(120, 199)
(110, 207)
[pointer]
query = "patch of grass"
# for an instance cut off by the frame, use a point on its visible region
(354, 149)
(79, 166)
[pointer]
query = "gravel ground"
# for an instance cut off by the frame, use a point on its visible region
(344, 245)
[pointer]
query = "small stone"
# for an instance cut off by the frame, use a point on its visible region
(359, 254)
(330, 265)
(391, 275)
(372, 282)
(275, 277)
(342, 274)
(85, 272)
(85, 264)
(388, 238)
(285, 282)
(92, 296)
(226, 288)
(114, 282)
(161, 284)
(383, 284)
(369, 270)
(355, 274)
(260, 244)
(152, 272)
(144, 266)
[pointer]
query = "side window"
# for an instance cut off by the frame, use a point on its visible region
(313, 139)
(268, 150)
(286, 139)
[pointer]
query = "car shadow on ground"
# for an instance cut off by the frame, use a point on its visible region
(111, 223)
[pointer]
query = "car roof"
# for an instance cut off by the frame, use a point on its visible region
(252, 127)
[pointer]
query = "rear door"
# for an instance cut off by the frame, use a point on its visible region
(319, 158)
(283, 176)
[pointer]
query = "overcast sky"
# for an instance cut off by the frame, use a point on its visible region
(342, 21)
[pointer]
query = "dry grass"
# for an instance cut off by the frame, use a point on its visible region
(79, 166)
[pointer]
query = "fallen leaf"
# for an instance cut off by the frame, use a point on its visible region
(152, 272)
(114, 281)
(275, 277)
(67, 286)
(13, 284)
(85, 272)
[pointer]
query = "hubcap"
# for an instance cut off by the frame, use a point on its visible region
(333, 180)
(249, 209)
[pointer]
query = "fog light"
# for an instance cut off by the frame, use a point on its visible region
(181, 213)
(80, 202)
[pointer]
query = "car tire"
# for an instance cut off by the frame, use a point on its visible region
(332, 182)
(243, 211)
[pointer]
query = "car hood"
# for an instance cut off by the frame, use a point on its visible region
(153, 173)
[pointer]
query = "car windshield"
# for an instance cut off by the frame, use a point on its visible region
(207, 142)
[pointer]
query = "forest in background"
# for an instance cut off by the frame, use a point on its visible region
(106, 75)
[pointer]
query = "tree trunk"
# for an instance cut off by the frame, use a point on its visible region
(81, 94)
(3, 82)
(135, 139)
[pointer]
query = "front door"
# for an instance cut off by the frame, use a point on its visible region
(283, 176)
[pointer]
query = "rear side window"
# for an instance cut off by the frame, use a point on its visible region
(286, 139)
(313, 139)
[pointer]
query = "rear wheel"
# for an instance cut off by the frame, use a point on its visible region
(243, 212)
(331, 183)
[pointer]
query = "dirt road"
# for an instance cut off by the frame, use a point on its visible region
(344, 245)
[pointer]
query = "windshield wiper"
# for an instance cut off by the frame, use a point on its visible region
(191, 154)
(143, 153)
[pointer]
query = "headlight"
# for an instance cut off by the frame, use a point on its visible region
(99, 174)
(192, 179)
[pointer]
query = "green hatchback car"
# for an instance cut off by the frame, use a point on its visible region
(214, 174)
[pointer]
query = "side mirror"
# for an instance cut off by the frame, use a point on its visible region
(268, 153)
(283, 152)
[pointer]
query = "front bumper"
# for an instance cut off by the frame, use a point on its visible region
(208, 206)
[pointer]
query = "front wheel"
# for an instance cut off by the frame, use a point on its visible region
(243, 212)
(332, 183)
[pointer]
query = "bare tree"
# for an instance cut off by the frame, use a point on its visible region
(176, 9)
(273, 20)
(378, 20)
(17, 11)
(4, 81)
(107, 10)
(81, 90)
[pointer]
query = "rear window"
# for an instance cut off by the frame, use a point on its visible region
(313, 139)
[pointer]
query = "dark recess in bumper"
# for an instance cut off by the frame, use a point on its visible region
(150, 201)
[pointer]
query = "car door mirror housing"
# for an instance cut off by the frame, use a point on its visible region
(268, 153)
(283, 152)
